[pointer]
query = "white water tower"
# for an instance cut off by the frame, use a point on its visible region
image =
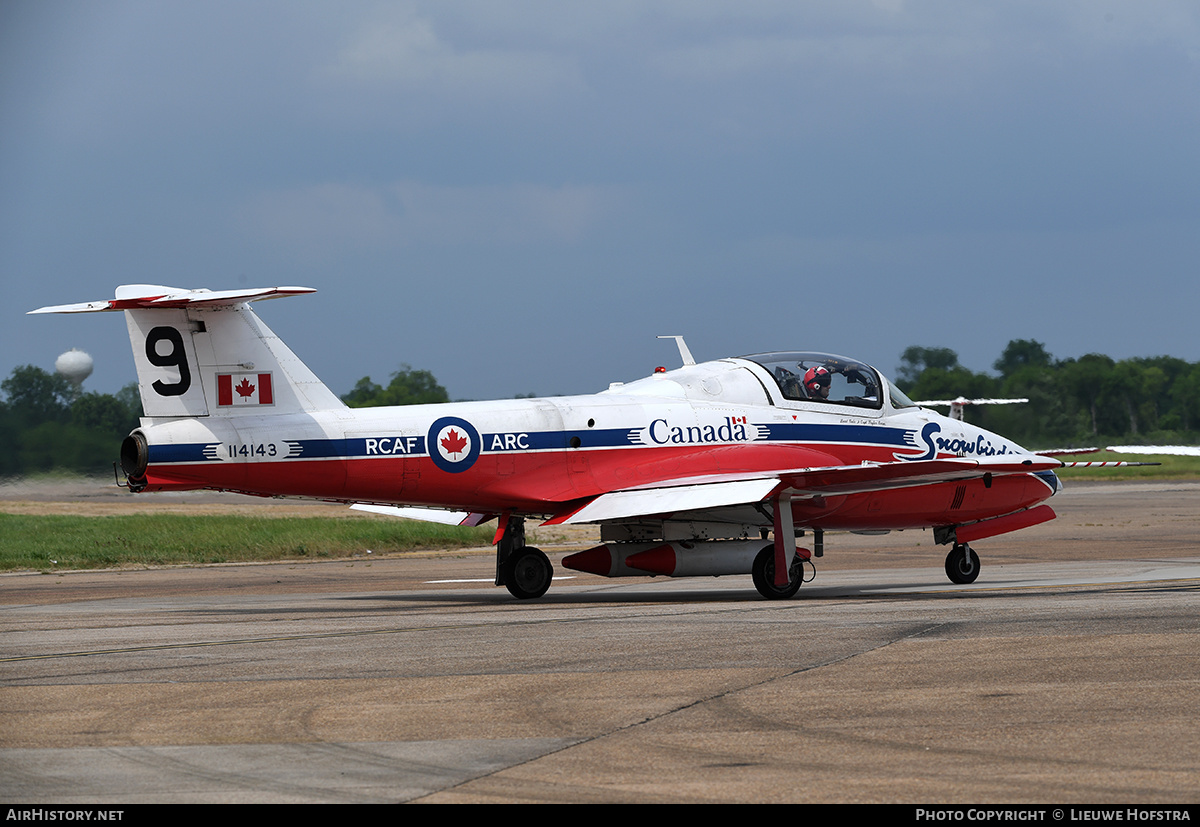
(75, 365)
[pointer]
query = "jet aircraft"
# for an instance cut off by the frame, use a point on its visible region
(709, 469)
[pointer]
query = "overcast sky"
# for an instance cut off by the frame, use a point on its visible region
(519, 196)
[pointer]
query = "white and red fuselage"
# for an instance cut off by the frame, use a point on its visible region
(702, 460)
(543, 456)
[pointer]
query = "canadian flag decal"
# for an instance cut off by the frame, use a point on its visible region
(244, 389)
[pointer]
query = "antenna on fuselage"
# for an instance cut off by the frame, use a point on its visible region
(684, 353)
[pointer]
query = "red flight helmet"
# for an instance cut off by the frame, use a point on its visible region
(817, 378)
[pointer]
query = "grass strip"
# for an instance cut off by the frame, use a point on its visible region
(1171, 467)
(55, 542)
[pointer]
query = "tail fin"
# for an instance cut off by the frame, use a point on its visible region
(202, 353)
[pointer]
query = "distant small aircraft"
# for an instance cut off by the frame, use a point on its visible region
(956, 405)
(687, 471)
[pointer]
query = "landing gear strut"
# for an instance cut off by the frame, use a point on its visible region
(524, 570)
(962, 564)
(763, 573)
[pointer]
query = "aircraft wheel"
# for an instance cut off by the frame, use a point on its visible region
(527, 573)
(763, 573)
(962, 564)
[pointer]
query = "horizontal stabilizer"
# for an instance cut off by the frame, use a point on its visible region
(189, 360)
(131, 296)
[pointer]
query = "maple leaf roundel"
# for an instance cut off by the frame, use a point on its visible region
(453, 444)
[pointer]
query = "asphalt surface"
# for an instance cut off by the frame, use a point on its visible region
(1069, 673)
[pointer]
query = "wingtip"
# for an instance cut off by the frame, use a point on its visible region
(79, 307)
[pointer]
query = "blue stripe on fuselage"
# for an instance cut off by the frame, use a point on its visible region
(856, 434)
(518, 441)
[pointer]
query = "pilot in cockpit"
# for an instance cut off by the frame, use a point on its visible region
(816, 383)
(810, 377)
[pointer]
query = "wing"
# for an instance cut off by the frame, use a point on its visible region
(957, 405)
(1065, 452)
(963, 401)
(699, 494)
(1182, 450)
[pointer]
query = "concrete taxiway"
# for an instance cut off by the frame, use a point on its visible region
(1070, 672)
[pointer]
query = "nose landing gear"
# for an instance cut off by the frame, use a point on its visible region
(962, 564)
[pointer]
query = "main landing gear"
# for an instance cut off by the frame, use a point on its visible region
(962, 564)
(527, 573)
(763, 569)
(763, 573)
(524, 570)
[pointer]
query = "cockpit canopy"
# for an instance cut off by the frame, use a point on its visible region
(803, 376)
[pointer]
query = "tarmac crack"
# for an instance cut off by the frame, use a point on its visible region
(694, 703)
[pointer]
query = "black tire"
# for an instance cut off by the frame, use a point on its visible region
(962, 565)
(527, 573)
(763, 573)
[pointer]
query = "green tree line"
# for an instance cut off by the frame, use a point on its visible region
(49, 424)
(46, 423)
(1088, 400)
(407, 387)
